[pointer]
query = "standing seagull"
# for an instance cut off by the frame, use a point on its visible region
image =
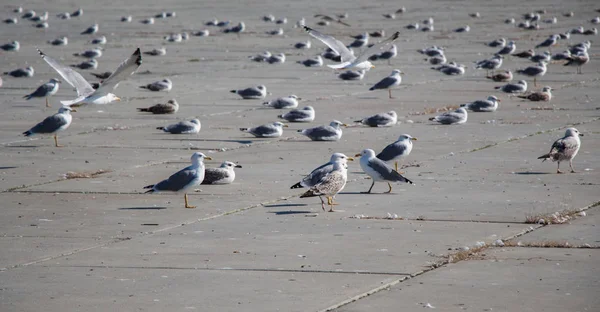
(184, 179)
(85, 93)
(320, 172)
(565, 148)
(510, 48)
(378, 170)
(458, 116)
(493, 64)
(183, 127)
(171, 107)
(331, 184)
(46, 90)
(397, 150)
(272, 130)
(222, 175)
(534, 71)
(53, 124)
(331, 132)
(348, 60)
(393, 80)
(161, 85)
(488, 105)
(578, 60)
(380, 120)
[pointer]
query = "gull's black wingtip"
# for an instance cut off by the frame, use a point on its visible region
(306, 28)
(138, 55)
(396, 35)
(41, 53)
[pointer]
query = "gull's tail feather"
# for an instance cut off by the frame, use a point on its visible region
(233, 91)
(144, 110)
(28, 97)
(28, 133)
(309, 193)
(150, 187)
(297, 185)
(244, 129)
(160, 128)
(544, 157)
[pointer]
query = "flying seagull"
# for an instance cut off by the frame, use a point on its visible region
(85, 93)
(348, 60)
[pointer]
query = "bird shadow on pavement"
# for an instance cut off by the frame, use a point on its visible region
(290, 212)
(531, 173)
(142, 208)
(284, 205)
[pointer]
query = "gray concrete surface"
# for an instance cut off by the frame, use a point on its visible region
(100, 244)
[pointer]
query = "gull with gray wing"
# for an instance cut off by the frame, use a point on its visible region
(488, 105)
(271, 130)
(458, 116)
(46, 90)
(393, 80)
(331, 132)
(306, 114)
(225, 174)
(380, 120)
(397, 150)
(565, 148)
(53, 124)
(183, 127)
(378, 170)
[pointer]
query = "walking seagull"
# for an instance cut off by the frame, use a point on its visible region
(564, 149)
(85, 93)
(349, 60)
(378, 170)
(183, 179)
(331, 184)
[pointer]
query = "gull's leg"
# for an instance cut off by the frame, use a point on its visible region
(571, 164)
(328, 200)
(390, 92)
(323, 203)
(534, 81)
(47, 104)
(187, 205)
(558, 168)
(56, 141)
(390, 186)
(332, 201)
(331, 205)
(369, 191)
(396, 164)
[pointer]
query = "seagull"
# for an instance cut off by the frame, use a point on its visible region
(488, 105)
(91, 54)
(380, 120)
(545, 57)
(578, 60)
(161, 85)
(85, 93)
(542, 96)
(64, 15)
(327, 18)
(79, 12)
(60, 41)
(53, 124)
(505, 76)
(463, 29)
(459, 116)
(525, 54)
(397, 150)
(432, 51)
(303, 45)
(183, 127)
(90, 30)
(278, 58)
(348, 60)
(241, 27)
(157, 52)
(508, 49)
(564, 149)
(386, 55)
(89, 64)
(40, 18)
(184, 179)
(202, 33)
(102, 76)
(378, 170)
(519, 87)
(317, 61)
(493, 63)
(331, 132)
(306, 114)
(46, 90)
(99, 40)
(271, 130)
(261, 57)
(438, 59)
(352, 75)
(29, 14)
(393, 80)
(126, 19)
(13, 46)
(222, 175)
(148, 21)
(171, 107)
(534, 71)
(283, 102)
(21, 72)
(11, 20)
(315, 176)
(330, 185)
(412, 26)
(552, 40)
(252, 93)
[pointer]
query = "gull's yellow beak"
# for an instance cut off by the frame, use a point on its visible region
(285, 126)
(73, 110)
(117, 98)
(499, 100)
(372, 66)
(345, 125)
(350, 159)
(358, 155)
(401, 73)
(208, 157)
(414, 139)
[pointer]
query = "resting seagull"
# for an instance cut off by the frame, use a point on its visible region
(53, 124)
(46, 90)
(458, 116)
(184, 179)
(272, 130)
(565, 148)
(222, 175)
(331, 132)
(183, 127)
(378, 170)
(85, 93)
(306, 114)
(348, 60)
(380, 120)
(488, 105)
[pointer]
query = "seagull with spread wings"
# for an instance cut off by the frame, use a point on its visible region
(348, 59)
(85, 93)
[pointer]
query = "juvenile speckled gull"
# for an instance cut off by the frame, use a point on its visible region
(397, 150)
(488, 105)
(331, 184)
(184, 179)
(271, 130)
(315, 176)
(53, 124)
(283, 102)
(458, 116)
(378, 170)
(505, 76)
(331, 132)
(565, 148)
(46, 90)
(225, 174)
(380, 120)
(183, 127)
(85, 93)
(306, 114)
(393, 80)
(348, 60)
(544, 96)
(171, 107)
